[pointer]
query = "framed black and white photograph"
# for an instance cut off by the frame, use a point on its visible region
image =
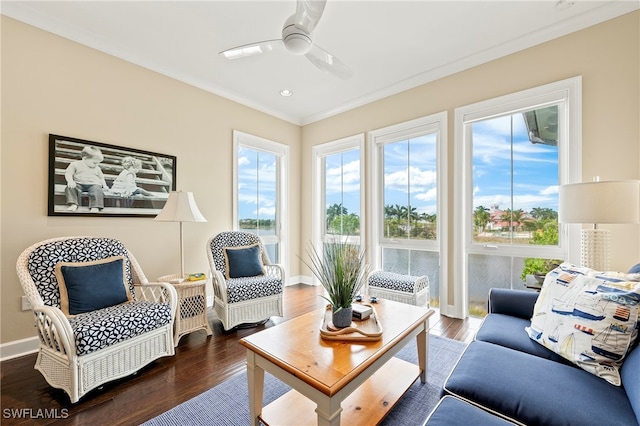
(97, 179)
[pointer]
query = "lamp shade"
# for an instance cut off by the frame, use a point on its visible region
(180, 207)
(616, 201)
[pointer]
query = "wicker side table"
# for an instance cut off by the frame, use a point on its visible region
(192, 306)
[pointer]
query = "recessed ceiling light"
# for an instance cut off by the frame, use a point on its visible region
(286, 92)
(564, 4)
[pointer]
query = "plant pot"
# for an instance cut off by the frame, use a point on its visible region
(342, 318)
(540, 278)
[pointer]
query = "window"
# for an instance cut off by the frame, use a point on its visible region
(260, 187)
(513, 153)
(342, 193)
(338, 185)
(409, 198)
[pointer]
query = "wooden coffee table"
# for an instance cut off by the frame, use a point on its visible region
(357, 382)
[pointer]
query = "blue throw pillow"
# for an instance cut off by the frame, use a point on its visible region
(243, 261)
(88, 286)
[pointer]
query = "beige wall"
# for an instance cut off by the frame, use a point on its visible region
(607, 56)
(53, 85)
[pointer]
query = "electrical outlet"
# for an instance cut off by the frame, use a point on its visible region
(26, 306)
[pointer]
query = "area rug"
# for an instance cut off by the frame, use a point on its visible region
(227, 404)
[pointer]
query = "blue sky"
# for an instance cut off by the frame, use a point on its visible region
(412, 164)
(535, 167)
(343, 180)
(410, 168)
(408, 164)
(256, 166)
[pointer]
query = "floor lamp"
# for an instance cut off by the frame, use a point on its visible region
(180, 207)
(596, 203)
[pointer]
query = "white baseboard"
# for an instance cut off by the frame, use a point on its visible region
(450, 311)
(299, 279)
(19, 348)
(28, 346)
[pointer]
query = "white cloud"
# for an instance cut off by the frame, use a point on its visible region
(420, 179)
(492, 142)
(549, 190)
(266, 208)
(267, 211)
(429, 209)
(246, 198)
(526, 202)
(343, 179)
(429, 195)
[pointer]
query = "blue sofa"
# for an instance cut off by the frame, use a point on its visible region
(506, 374)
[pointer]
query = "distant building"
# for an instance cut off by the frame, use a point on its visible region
(497, 222)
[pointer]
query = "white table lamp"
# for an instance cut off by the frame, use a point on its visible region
(599, 202)
(180, 207)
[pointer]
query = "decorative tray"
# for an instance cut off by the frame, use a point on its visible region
(368, 330)
(181, 280)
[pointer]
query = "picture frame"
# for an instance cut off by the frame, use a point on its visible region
(108, 180)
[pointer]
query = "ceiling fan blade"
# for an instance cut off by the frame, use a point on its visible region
(251, 49)
(308, 13)
(326, 62)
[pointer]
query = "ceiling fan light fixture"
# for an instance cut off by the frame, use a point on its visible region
(295, 39)
(244, 51)
(297, 43)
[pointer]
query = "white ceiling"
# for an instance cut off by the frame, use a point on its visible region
(390, 45)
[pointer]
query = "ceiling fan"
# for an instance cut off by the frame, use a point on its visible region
(296, 38)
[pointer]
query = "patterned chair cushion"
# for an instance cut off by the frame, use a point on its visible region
(43, 259)
(248, 288)
(105, 327)
(393, 281)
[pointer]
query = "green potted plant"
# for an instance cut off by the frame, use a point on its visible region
(341, 270)
(547, 234)
(538, 268)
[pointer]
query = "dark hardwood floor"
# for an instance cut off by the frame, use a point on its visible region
(201, 362)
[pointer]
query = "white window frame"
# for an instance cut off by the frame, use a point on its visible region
(435, 123)
(568, 95)
(318, 203)
(281, 152)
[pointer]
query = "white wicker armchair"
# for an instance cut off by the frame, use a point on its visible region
(80, 352)
(247, 299)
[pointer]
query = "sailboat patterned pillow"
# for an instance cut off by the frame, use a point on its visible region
(588, 317)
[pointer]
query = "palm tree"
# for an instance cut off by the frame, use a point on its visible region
(430, 217)
(413, 214)
(481, 218)
(390, 212)
(518, 217)
(543, 213)
(514, 217)
(334, 211)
